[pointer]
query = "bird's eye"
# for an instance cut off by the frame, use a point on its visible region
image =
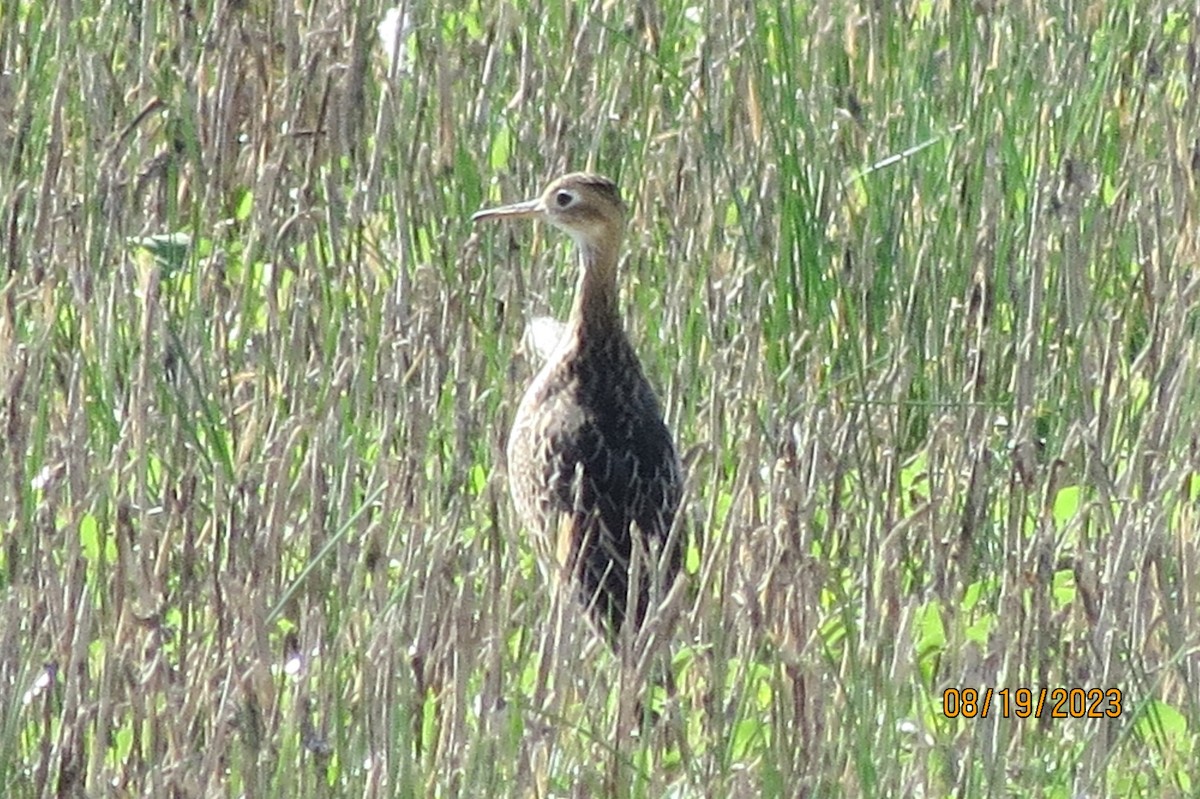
(564, 198)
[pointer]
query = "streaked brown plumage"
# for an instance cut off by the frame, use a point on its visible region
(592, 467)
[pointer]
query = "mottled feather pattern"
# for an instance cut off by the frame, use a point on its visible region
(591, 432)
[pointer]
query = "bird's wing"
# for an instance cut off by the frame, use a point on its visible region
(617, 495)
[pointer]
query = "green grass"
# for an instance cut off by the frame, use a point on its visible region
(915, 283)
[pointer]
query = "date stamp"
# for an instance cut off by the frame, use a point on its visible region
(1024, 703)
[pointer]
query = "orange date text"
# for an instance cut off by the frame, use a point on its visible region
(1024, 703)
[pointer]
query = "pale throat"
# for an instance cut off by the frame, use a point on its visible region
(595, 307)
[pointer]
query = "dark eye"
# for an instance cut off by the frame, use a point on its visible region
(563, 199)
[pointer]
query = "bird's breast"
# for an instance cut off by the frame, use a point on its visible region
(576, 423)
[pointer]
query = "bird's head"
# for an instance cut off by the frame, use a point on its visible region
(587, 206)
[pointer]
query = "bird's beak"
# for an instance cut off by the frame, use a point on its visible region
(526, 210)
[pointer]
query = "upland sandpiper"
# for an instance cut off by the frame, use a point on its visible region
(591, 465)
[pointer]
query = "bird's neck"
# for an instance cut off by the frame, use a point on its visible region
(594, 312)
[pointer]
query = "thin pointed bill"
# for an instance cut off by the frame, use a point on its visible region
(526, 210)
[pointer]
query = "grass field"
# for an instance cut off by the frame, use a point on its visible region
(917, 283)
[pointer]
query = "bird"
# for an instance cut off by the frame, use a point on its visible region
(593, 469)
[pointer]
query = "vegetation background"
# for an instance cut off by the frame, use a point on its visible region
(918, 284)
